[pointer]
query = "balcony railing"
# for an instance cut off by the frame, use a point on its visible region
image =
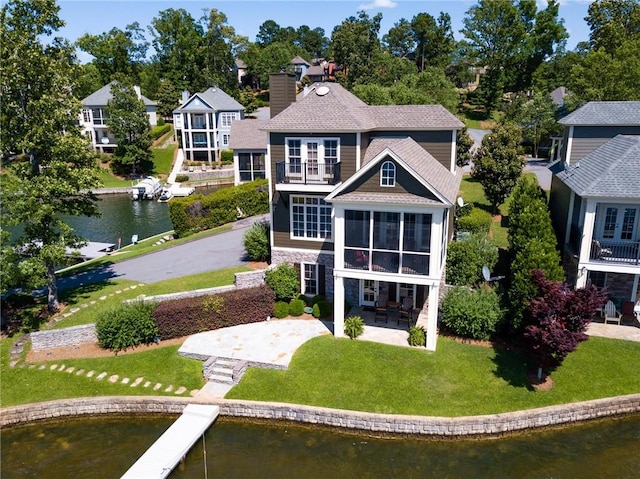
(308, 173)
(386, 261)
(627, 252)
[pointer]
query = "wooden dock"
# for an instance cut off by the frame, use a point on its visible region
(163, 456)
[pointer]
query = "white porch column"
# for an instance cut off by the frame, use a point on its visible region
(585, 243)
(338, 306)
(432, 318)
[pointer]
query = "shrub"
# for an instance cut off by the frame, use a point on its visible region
(185, 316)
(256, 241)
(417, 336)
(307, 300)
(281, 309)
(317, 298)
(466, 258)
(226, 157)
(182, 178)
(353, 326)
(126, 326)
(477, 221)
(321, 309)
(160, 130)
(283, 280)
(296, 307)
(471, 313)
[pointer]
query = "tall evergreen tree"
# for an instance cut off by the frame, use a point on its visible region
(49, 168)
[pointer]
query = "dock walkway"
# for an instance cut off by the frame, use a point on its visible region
(163, 456)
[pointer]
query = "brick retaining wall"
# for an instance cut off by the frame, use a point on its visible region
(65, 337)
(491, 425)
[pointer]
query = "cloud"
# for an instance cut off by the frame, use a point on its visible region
(377, 4)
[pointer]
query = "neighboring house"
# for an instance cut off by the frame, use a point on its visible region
(317, 73)
(595, 197)
(362, 197)
(240, 68)
(249, 145)
(93, 118)
(300, 67)
(203, 123)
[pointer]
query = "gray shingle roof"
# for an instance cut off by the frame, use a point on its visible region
(247, 135)
(611, 170)
(298, 60)
(605, 113)
(341, 111)
(215, 98)
(387, 198)
(103, 95)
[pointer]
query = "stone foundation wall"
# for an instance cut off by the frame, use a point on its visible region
(478, 426)
(249, 279)
(352, 291)
(62, 338)
(280, 256)
(620, 285)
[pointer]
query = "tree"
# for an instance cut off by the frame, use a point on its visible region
(466, 258)
(464, 143)
(313, 42)
(129, 124)
(399, 41)
(532, 245)
(612, 22)
(498, 163)
(434, 40)
(268, 33)
(556, 320)
(537, 118)
(218, 45)
(117, 51)
(49, 170)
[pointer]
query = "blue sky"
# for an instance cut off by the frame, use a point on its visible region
(246, 16)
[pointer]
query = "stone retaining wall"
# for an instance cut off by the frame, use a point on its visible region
(183, 294)
(249, 279)
(65, 337)
(488, 425)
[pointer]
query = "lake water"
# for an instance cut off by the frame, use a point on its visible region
(106, 447)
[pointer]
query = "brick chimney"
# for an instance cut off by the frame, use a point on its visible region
(282, 91)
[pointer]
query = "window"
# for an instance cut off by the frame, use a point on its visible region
(309, 279)
(199, 140)
(86, 115)
(310, 218)
(99, 116)
(311, 159)
(225, 140)
(226, 118)
(251, 166)
(388, 174)
(197, 120)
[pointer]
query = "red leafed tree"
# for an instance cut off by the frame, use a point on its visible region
(556, 320)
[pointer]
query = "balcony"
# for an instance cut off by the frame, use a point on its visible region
(386, 261)
(307, 173)
(620, 252)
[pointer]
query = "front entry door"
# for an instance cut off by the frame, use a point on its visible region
(619, 223)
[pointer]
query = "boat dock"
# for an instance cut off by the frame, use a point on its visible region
(165, 454)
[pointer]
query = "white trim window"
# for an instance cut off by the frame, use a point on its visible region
(309, 278)
(388, 174)
(226, 118)
(310, 218)
(225, 139)
(86, 115)
(312, 158)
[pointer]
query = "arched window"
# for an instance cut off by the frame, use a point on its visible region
(388, 174)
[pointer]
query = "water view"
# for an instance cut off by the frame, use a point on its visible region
(107, 447)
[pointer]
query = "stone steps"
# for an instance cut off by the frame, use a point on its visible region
(224, 370)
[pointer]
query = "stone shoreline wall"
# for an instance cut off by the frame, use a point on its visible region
(440, 427)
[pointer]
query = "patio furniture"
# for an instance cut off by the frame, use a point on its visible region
(381, 307)
(627, 311)
(406, 311)
(611, 313)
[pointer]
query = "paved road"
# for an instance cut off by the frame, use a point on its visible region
(224, 250)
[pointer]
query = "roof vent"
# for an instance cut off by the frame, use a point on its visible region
(322, 91)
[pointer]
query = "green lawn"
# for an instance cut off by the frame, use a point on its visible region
(457, 380)
(163, 159)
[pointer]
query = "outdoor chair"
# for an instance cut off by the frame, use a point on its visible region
(406, 311)
(382, 308)
(626, 311)
(611, 313)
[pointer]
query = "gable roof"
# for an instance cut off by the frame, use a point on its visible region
(339, 110)
(103, 95)
(215, 99)
(414, 159)
(597, 113)
(611, 170)
(298, 60)
(247, 135)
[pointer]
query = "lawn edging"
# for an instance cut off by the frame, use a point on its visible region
(439, 427)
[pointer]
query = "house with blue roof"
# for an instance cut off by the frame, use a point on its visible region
(202, 123)
(595, 197)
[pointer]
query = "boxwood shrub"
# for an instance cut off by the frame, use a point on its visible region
(322, 309)
(471, 313)
(126, 326)
(186, 316)
(296, 307)
(477, 221)
(281, 309)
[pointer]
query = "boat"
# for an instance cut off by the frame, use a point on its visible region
(147, 189)
(166, 194)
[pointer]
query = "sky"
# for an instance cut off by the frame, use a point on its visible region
(246, 16)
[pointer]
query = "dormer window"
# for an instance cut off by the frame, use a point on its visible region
(388, 174)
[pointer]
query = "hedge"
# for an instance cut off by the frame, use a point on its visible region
(477, 221)
(226, 157)
(160, 130)
(199, 212)
(186, 316)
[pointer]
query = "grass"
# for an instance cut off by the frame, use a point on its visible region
(475, 117)
(458, 380)
(159, 365)
(163, 159)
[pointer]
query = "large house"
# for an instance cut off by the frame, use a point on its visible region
(94, 116)
(361, 197)
(595, 197)
(203, 123)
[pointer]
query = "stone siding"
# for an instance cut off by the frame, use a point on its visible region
(446, 427)
(63, 338)
(279, 256)
(249, 279)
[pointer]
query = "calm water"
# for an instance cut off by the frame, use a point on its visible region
(107, 447)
